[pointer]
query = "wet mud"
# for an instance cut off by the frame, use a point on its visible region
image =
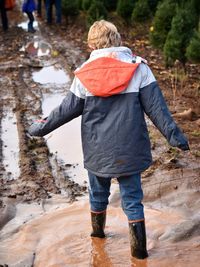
(44, 210)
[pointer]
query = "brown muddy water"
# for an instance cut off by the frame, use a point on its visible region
(57, 234)
(54, 232)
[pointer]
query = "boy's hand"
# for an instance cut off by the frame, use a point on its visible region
(184, 147)
(35, 127)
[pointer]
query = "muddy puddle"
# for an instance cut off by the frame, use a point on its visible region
(51, 76)
(57, 234)
(37, 48)
(65, 142)
(9, 132)
(10, 142)
(24, 25)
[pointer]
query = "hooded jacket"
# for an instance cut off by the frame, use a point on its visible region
(28, 6)
(112, 91)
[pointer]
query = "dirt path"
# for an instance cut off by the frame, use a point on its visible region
(36, 180)
(42, 227)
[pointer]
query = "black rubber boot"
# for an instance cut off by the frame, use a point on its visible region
(138, 240)
(98, 221)
(30, 27)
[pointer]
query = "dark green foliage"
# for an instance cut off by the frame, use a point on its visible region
(97, 11)
(125, 8)
(110, 5)
(80, 3)
(86, 4)
(152, 5)
(194, 7)
(162, 23)
(70, 8)
(141, 11)
(178, 37)
(193, 50)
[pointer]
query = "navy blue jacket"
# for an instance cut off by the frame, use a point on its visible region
(112, 92)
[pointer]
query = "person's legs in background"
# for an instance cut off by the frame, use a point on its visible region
(30, 23)
(131, 196)
(40, 4)
(49, 9)
(4, 18)
(39, 8)
(99, 193)
(58, 11)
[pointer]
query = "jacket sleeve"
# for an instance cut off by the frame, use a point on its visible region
(70, 108)
(156, 109)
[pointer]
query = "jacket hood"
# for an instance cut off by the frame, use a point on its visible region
(107, 72)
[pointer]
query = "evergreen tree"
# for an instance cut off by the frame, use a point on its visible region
(178, 37)
(97, 11)
(194, 7)
(86, 4)
(110, 5)
(141, 11)
(70, 8)
(125, 8)
(193, 50)
(162, 23)
(80, 4)
(152, 5)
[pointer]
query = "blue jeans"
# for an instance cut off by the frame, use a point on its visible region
(130, 191)
(49, 10)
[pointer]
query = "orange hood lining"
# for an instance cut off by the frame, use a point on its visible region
(106, 76)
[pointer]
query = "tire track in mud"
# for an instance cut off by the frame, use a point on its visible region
(37, 180)
(34, 164)
(68, 57)
(1, 144)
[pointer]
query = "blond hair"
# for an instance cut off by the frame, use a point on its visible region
(103, 34)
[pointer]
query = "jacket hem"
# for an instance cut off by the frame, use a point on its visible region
(116, 175)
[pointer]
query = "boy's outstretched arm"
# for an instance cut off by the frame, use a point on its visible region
(70, 108)
(156, 109)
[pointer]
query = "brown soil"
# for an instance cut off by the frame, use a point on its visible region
(173, 172)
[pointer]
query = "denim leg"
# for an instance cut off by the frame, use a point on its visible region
(99, 192)
(49, 7)
(58, 11)
(131, 196)
(39, 7)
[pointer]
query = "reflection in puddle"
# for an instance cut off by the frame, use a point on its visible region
(50, 75)
(24, 25)
(65, 141)
(10, 145)
(37, 48)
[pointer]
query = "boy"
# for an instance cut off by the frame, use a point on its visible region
(112, 90)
